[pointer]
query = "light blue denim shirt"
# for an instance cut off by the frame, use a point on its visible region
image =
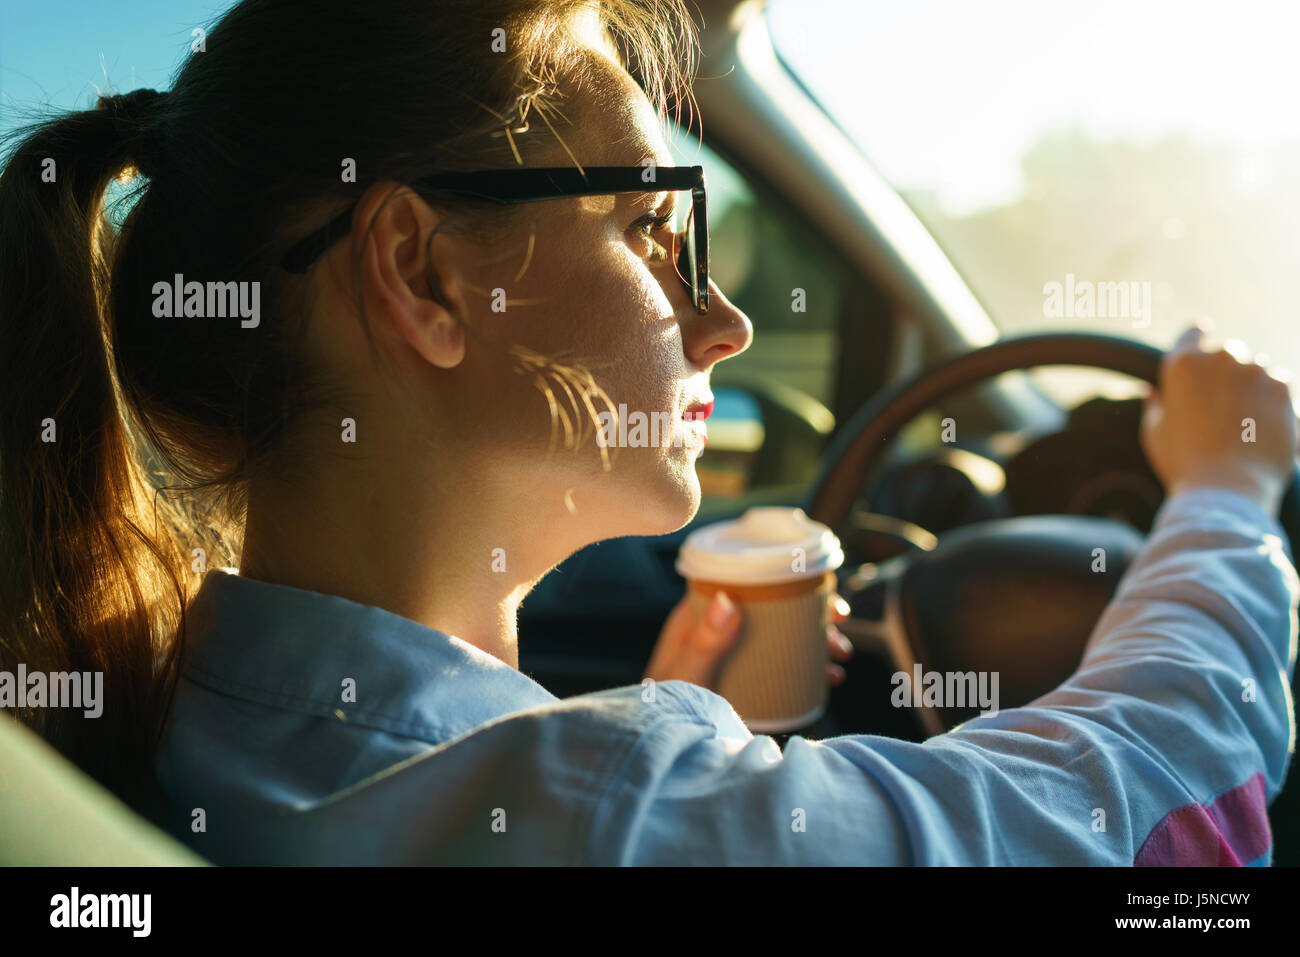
(1164, 747)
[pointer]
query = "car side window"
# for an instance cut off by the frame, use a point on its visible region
(772, 403)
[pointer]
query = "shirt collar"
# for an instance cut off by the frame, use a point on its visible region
(296, 650)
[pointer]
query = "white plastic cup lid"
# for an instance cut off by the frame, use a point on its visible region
(766, 545)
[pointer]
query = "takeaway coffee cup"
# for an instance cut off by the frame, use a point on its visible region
(778, 566)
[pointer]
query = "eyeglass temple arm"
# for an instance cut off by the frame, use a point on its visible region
(599, 180)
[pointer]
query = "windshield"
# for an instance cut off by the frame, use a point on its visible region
(1103, 166)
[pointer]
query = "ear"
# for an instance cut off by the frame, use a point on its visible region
(393, 233)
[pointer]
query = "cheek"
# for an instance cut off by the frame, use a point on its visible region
(631, 312)
(592, 304)
(644, 370)
(610, 312)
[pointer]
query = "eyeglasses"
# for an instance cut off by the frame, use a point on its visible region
(523, 185)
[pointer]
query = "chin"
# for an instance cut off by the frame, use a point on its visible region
(679, 499)
(662, 496)
(667, 502)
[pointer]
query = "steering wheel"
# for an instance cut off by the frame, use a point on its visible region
(1014, 596)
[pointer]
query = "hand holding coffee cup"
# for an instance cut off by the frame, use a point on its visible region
(777, 566)
(692, 648)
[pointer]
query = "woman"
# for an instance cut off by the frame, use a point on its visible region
(385, 386)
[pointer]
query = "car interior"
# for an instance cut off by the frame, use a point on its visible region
(881, 397)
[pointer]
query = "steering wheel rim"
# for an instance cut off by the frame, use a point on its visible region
(854, 450)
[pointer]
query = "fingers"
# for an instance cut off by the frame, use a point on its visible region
(841, 649)
(701, 646)
(1237, 349)
(1192, 339)
(692, 649)
(710, 639)
(676, 629)
(1196, 337)
(1199, 337)
(840, 646)
(1193, 335)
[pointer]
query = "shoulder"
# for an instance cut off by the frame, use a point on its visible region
(545, 785)
(522, 788)
(640, 708)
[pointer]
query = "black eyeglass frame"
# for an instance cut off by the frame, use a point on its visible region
(526, 185)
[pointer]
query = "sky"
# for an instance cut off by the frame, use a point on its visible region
(63, 52)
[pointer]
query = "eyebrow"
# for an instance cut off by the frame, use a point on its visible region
(652, 204)
(652, 201)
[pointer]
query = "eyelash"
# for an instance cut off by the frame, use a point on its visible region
(649, 224)
(642, 225)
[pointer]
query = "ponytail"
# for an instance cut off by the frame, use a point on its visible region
(91, 581)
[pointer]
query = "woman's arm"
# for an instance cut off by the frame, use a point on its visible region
(1164, 747)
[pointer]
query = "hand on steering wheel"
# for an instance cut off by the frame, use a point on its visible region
(1253, 448)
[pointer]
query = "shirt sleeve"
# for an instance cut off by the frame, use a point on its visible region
(1164, 747)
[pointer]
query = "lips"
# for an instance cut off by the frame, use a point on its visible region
(698, 412)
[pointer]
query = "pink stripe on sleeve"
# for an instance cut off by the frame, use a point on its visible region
(1232, 830)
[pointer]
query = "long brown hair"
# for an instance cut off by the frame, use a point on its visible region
(126, 439)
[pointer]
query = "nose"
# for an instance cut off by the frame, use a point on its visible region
(724, 331)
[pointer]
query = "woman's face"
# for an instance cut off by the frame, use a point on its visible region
(598, 293)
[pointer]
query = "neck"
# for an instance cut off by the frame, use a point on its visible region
(446, 548)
